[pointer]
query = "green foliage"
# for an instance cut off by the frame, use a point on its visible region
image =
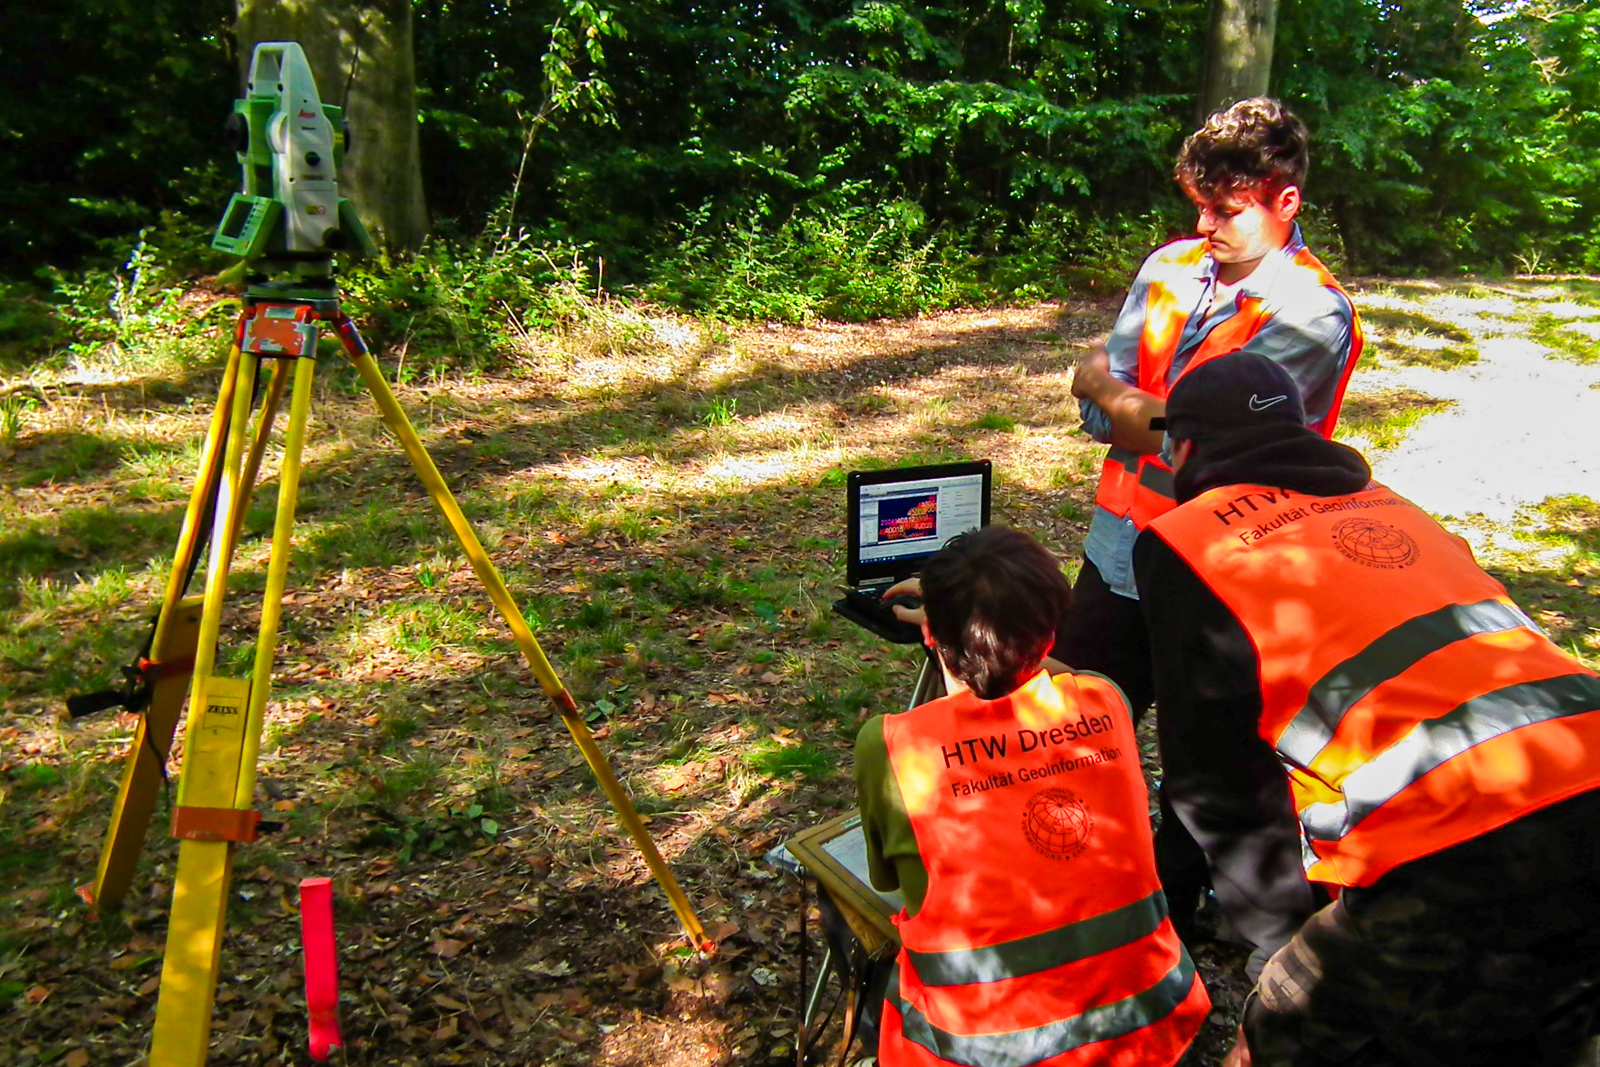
(14, 412)
(789, 160)
(449, 830)
(475, 303)
(995, 420)
(883, 143)
(1560, 336)
(855, 262)
(724, 411)
(1447, 134)
(35, 776)
(28, 324)
(462, 301)
(134, 305)
(858, 262)
(109, 111)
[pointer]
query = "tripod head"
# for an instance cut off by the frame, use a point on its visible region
(289, 219)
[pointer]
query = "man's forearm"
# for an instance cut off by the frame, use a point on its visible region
(1129, 408)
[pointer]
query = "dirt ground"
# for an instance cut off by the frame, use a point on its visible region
(681, 502)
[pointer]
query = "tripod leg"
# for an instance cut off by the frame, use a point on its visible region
(396, 419)
(258, 446)
(930, 683)
(177, 630)
(212, 459)
(277, 574)
(146, 767)
(216, 789)
(213, 741)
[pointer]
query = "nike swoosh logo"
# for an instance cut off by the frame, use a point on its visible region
(1257, 404)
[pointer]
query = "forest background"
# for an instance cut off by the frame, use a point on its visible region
(785, 160)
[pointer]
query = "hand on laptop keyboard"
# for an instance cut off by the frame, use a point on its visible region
(905, 599)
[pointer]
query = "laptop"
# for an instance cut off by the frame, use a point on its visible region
(895, 520)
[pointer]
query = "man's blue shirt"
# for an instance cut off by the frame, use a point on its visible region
(1308, 334)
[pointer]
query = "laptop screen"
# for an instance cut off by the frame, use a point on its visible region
(898, 518)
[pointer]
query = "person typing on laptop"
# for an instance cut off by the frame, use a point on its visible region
(896, 518)
(1012, 814)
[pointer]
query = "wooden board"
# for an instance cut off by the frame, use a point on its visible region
(835, 854)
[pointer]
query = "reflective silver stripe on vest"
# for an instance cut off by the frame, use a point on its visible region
(1125, 456)
(1332, 697)
(1158, 480)
(1436, 741)
(1040, 952)
(1019, 1048)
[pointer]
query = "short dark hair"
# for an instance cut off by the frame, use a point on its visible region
(1257, 144)
(994, 598)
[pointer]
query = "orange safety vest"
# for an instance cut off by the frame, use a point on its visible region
(1043, 938)
(1138, 486)
(1413, 705)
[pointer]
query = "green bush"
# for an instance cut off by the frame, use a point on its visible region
(846, 257)
(473, 302)
(139, 303)
(852, 258)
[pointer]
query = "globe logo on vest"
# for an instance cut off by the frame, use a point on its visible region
(1375, 544)
(1057, 823)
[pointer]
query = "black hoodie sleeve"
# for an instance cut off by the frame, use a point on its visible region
(1218, 774)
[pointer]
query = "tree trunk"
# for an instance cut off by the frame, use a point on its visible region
(360, 52)
(1238, 52)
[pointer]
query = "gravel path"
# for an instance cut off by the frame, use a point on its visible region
(1524, 426)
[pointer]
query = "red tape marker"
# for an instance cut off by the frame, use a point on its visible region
(322, 965)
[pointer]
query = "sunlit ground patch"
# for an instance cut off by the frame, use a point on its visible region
(1378, 421)
(1549, 558)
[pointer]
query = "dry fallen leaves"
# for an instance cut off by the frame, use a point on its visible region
(447, 948)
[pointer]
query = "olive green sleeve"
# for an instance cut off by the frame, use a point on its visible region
(892, 857)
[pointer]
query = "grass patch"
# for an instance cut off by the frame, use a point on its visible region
(801, 759)
(378, 535)
(86, 543)
(722, 411)
(994, 420)
(1406, 321)
(58, 457)
(1573, 520)
(1378, 422)
(1415, 338)
(1073, 511)
(1425, 350)
(1558, 335)
(33, 777)
(422, 627)
(398, 778)
(16, 414)
(1583, 291)
(159, 472)
(1552, 569)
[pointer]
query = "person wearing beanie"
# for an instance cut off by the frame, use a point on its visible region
(1346, 700)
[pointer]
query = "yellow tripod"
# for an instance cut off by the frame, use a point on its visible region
(213, 808)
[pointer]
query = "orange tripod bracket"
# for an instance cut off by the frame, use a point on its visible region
(215, 824)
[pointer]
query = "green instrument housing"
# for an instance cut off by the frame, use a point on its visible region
(252, 224)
